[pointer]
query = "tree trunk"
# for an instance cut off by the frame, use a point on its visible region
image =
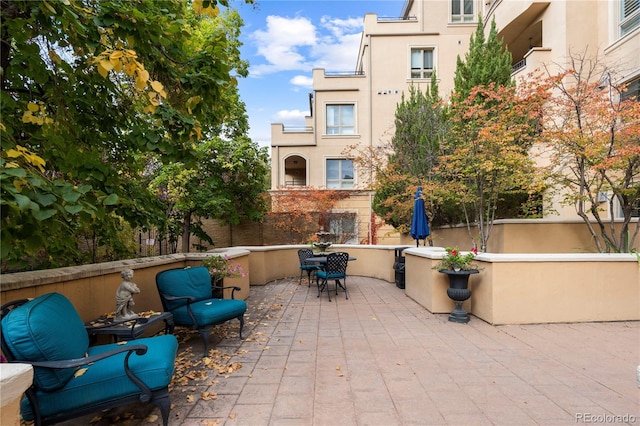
(186, 232)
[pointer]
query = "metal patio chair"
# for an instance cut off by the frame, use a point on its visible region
(309, 267)
(334, 269)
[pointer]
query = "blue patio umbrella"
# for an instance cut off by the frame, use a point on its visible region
(419, 222)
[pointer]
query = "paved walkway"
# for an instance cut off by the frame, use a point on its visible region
(379, 358)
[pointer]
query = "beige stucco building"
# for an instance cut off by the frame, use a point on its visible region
(357, 109)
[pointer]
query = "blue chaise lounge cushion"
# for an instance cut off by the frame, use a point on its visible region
(210, 311)
(49, 328)
(106, 379)
(196, 282)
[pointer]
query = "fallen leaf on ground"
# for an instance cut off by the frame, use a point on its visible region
(208, 396)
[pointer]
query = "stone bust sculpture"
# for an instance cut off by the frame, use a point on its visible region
(124, 297)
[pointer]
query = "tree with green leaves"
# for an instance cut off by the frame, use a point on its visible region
(229, 184)
(420, 126)
(93, 92)
(487, 61)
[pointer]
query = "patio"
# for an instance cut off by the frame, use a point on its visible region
(381, 358)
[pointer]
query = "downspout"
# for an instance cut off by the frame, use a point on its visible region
(370, 77)
(276, 185)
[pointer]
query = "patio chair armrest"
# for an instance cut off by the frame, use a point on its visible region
(235, 288)
(77, 362)
(190, 299)
(145, 391)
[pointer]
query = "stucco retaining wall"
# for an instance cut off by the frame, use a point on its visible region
(533, 288)
(510, 289)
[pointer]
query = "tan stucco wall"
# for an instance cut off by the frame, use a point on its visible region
(510, 288)
(273, 262)
(578, 291)
(523, 236)
(92, 288)
(15, 378)
(533, 288)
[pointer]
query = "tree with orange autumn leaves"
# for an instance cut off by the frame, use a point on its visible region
(486, 154)
(579, 119)
(301, 213)
(591, 133)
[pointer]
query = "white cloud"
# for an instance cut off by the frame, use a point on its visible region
(340, 27)
(292, 44)
(302, 81)
(291, 118)
(281, 43)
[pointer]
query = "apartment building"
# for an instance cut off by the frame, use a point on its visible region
(357, 109)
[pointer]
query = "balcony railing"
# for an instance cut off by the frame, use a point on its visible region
(343, 73)
(396, 18)
(297, 129)
(518, 65)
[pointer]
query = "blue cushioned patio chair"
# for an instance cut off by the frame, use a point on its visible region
(72, 379)
(334, 269)
(308, 267)
(186, 293)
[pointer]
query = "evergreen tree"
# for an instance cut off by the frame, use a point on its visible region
(487, 61)
(419, 125)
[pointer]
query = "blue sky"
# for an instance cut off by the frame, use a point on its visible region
(283, 40)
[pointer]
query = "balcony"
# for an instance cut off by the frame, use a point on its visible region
(533, 60)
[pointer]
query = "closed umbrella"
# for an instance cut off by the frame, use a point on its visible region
(419, 222)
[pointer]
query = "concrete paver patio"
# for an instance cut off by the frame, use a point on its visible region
(379, 358)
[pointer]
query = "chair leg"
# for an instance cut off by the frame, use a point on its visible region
(204, 334)
(164, 403)
(343, 285)
(325, 284)
(241, 319)
(346, 293)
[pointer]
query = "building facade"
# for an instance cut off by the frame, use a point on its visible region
(358, 109)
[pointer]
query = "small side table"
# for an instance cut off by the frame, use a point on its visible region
(130, 329)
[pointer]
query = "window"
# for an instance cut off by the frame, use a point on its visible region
(343, 227)
(635, 212)
(462, 10)
(421, 63)
(633, 90)
(339, 174)
(629, 16)
(340, 120)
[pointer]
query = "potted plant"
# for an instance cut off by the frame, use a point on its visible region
(219, 268)
(458, 268)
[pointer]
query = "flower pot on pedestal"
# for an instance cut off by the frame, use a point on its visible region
(459, 291)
